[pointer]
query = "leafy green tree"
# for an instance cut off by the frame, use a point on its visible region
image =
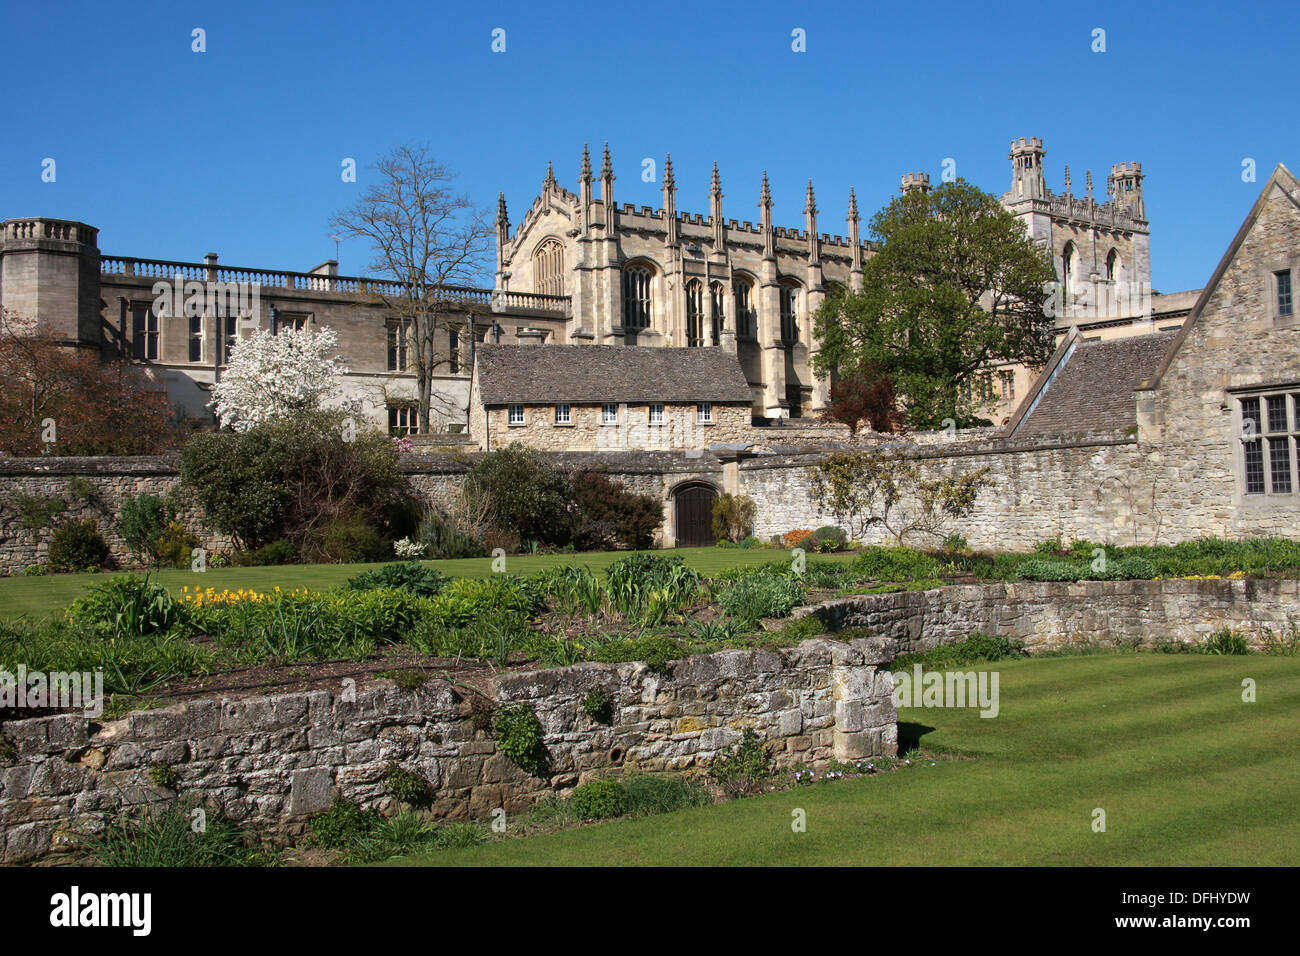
(524, 494)
(313, 479)
(957, 285)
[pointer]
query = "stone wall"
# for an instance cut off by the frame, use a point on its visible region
(1046, 615)
(1110, 488)
(585, 430)
(269, 761)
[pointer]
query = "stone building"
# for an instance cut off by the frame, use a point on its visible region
(578, 269)
(659, 277)
(604, 398)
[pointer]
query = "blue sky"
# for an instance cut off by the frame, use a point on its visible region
(172, 154)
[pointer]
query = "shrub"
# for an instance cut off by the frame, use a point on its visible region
(733, 517)
(656, 651)
(1050, 546)
(442, 539)
(409, 576)
(353, 541)
(894, 564)
(175, 546)
(796, 536)
(78, 546)
(408, 786)
(598, 705)
(956, 544)
(524, 493)
(518, 733)
(300, 477)
(760, 595)
(343, 825)
(142, 521)
(829, 537)
(744, 766)
(1042, 569)
(611, 514)
(597, 800)
(275, 553)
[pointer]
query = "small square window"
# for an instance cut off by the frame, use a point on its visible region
(515, 415)
(704, 412)
(657, 413)
(609, 414)
(562, 415)
(1285, 304)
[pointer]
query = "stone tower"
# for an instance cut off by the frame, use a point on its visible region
(49, 276)
(1027, 169)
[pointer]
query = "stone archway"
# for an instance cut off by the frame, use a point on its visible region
(693, 515)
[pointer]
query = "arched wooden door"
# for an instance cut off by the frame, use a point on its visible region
(693, 507)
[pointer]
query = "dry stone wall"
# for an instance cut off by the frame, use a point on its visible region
(271, 761)
(1045, 615)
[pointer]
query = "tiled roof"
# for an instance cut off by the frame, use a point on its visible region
(588, 374)
(1092, 389)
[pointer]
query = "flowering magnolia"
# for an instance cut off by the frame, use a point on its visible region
(274, 375)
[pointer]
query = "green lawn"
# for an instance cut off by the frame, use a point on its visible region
(1187, 773)
(49, 594)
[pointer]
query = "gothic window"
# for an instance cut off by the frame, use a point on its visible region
(719, 309)
(694, 313)
(1112, 265)
(636, 298)
(746, 320)
(548, 268)
(398, 334)
(144, 331)
(1067, 264)
(789, 315)
(1269, 427)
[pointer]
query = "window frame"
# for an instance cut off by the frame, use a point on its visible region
(704, 413)
(1257, 463)
(513, 420)
(655, 413)
(146, 332)
(566, 418)
(609, 413)
(397, 345)
(399, 410)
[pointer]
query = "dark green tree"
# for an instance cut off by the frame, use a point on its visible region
(957, 285)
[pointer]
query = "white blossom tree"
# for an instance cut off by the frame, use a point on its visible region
(271, 375)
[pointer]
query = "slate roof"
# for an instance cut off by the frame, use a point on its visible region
(1092, 388)
(591, 374)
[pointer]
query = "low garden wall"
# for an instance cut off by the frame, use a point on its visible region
(272, 760)
(1050, 614)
